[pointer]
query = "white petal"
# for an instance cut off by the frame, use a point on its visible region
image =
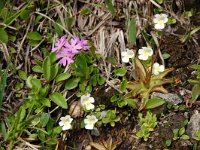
(130, 53)
(155, 65)
(125, 59)
(159, 26)
(67, 126)
(89, 106)
(124, 53)
(162, 68)
(155, 72)
(143, 57)
(141, 51)
(91, 99)
(89, 126)
(61, 123)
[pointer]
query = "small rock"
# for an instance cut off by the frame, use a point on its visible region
(75, 109)
(169, 97)
(194, 124)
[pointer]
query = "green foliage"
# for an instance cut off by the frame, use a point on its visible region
(59, 100)
(196, 84)
(132, 31)
(110, 7)
(146, 84)
(4, 36)
(197, 135)
(120, 72)
(3, 78)
(180, 133)
(147, 125)
(111, 118)
(120, 101)
(84, 75)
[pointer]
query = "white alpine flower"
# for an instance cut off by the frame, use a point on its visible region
(90, 122)
(157, 68)
(87, 101)
(145, 53)
(65, 122)
(126, 55)
(160, 20)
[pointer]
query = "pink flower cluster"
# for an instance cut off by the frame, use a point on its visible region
(66, 49)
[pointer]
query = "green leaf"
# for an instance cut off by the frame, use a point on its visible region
(85, 12)
(195, 92)
(59, 100)
(22, 75)
(131, 103)
(35, 85)
(154, 102)
(41, 136)
(168, 142)
(37, 69)
(101, 80)
(46, 66)
(165, 55)
(34, 36)
(159, 1)
(62, 77)
(54, 71)
(123, 85)
(120, 72)
(3, 36)
(3, 130)
(110, 7)
(71, 83)
(181, 131)
(81, 66)
(185, 137)
(46, 102)
(52, 141)
(70, 23)
(44, 119)
(132, 31)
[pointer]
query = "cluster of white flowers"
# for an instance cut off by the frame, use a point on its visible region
(160, 20)
(86, 102)
(144, 53)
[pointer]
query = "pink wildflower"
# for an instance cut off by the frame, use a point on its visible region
(59, 45)
(67, 48)
(74, 45)
(66, 58)
(84, 44)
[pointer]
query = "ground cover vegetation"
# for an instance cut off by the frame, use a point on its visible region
(99, 74)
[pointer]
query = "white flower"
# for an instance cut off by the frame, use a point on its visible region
(90, 121)
(87, 101)
(144, 53)
(157, 68)
(65, 122)
(160, 20)
(126, 55)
